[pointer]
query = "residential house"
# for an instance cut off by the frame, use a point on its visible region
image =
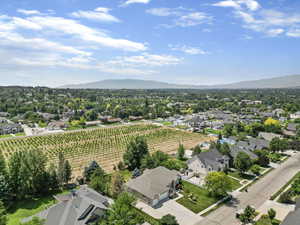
(295, 115)
(209, 161)
(57, 125)
(293, 218)
(269, 136)
(154, 185)
(278, 112)
(258, 144)
(10, 128)
(291, 129)
(80, 207)
(236, 149)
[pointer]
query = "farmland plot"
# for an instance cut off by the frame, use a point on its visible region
(105, 145)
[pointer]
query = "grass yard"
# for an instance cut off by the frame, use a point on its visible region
(202, 198)
(27, 208)
(235, 184)
(240, 176)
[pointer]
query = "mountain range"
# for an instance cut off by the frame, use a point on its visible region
(292, 81)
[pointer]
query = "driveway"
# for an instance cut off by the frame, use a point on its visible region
(183, 215)
(257, 194)
(281, 209)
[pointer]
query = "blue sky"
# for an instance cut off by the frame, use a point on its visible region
(180, 41)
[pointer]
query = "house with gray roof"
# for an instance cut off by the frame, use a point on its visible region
(258, 144)
(80, 207)
(154, 185)
(291, 129)
(293, 218)
(10, 128)
(235, 150)
(269, 136)
(206, 162)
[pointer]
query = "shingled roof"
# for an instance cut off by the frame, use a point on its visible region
(153, 182)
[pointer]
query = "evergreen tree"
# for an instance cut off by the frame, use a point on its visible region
(180, 152)
(89, 170)
(117, 182)
(3, 217)
(61, 169)
(136, 150)
(100, 181)
(67, 171)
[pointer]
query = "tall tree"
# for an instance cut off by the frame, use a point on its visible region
(180, 152)
(218, 183)
(89, 170)
(121, 212)
(3, 168)
(136, 150)
(242, 162)
(3, 217)
(100, 181)
(117, 182)
(61, 169)
(67, 171)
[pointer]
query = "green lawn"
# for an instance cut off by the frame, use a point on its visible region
(20, 134)
(5, 136)
(235, 184)
(240, 176)
(203, 200)
(30, 207)
(167, 123)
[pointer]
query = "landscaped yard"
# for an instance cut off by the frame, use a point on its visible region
(265, 220)
(202, 200)
(235, 184)
(27, 208)
(240, 176)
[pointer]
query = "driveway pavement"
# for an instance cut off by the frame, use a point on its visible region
(257, 194)
(281, 209)
(183, 215)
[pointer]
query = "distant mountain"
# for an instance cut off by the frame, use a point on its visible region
(130, 84)
(292, 81)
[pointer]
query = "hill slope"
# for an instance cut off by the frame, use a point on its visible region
(292, 81)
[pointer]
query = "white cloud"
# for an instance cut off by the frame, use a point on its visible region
(182, 17)
(85, 33)
(99, 14)
(193, 19)
(293, 33)
(128, 2)
(274, 32)
(188, 50)
(29, 12)
(228, 3)
(146, 60)
(11, 39)
(270, 22)
(160, 11)
(238, 4)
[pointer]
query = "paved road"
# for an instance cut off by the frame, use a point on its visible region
(257, 194)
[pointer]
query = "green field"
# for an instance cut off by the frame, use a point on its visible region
(106, 145)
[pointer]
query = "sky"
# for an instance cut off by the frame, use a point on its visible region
(58, 42)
